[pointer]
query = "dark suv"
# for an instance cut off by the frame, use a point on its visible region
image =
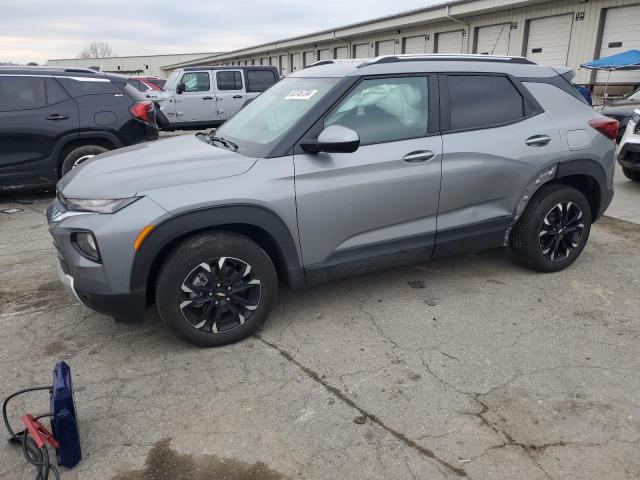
(53, 119)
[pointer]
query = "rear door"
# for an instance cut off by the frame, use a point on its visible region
(197, 102)
(230, 93)
(496, 140)
(382, 199)
(35, 112)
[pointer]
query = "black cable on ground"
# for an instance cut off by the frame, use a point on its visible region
(39, 457)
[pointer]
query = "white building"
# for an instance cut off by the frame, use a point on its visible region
(143, 65)
(564, 32)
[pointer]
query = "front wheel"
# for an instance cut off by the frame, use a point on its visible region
(631, 174)
(553, 230)
(215, 289)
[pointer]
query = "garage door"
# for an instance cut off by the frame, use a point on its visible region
(361, 50)
(284, 64)
(493, 40)
(449, 42)
(296, 61)
(309, 58)
(415, 44)
(264, 61)
(621, 33)
(548, 41)
(386, 47)
(324, 54)
(342, 52)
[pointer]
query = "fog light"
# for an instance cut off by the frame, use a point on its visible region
(86, 245)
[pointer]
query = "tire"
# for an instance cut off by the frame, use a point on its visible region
(188, 276)
(78, 155)
(631, 174)
(552, 246)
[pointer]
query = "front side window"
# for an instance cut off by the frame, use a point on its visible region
(196, 82)
(22, 93)
(384, 110)
(229, 80)
(482, 101)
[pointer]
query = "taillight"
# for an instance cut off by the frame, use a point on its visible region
(606, 126)
(140, 110)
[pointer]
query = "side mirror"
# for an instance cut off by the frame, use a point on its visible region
(180, 88)
(334, 139)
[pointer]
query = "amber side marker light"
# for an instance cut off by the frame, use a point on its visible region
(141, 236)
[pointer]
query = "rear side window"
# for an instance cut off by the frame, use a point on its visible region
(229, 80)
(196, 82)
(22, 93)
(88, 86)
(55, 93)
(482, 101)
(259, 80)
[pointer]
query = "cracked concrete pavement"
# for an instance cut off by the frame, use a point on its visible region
(470, 366)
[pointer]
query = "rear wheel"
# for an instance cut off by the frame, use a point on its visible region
(553, 230)
(79, 155)
(631, 174)
(216, 289)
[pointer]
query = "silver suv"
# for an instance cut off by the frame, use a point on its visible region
(335, 170)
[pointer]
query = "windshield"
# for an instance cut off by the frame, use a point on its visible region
(172, 80)
(635, 95)
(264, 121)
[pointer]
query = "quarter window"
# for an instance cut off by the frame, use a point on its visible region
(22, 93)
(259, 80)
(384, 110)
(196, 82)
(229, 80)
(481, 101)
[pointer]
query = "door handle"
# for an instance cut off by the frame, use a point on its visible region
(207, 98)
(538, 140)
(419, 156)
(57, 116)
(237, 96)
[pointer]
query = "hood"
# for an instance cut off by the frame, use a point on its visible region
(620, 107)
(124, 172)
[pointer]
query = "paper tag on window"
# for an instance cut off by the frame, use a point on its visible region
(300, 94)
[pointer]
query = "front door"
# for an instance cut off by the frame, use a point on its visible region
(197, 102)
(230, 93)
(381, 200)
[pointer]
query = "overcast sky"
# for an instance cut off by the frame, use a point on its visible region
(37, 30)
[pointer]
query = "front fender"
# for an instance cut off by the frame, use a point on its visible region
(176, 228)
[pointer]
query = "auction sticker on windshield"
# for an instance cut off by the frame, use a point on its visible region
(300, 94)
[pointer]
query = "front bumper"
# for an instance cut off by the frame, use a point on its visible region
(629, 156)
(102, 286)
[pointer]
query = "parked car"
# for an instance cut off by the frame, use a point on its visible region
(629, 152)
(335, 170)
(621, 110)
(53, 119)
(200, 97)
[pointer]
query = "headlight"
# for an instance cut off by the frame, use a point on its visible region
(98, 205)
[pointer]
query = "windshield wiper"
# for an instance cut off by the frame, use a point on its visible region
(223, 141)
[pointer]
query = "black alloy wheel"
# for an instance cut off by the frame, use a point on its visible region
(562, 230)
(219, 295)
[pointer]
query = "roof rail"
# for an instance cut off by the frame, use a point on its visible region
(80, 70)
(332, 61)
(447, 57)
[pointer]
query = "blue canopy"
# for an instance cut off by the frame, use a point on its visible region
(629, 60)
